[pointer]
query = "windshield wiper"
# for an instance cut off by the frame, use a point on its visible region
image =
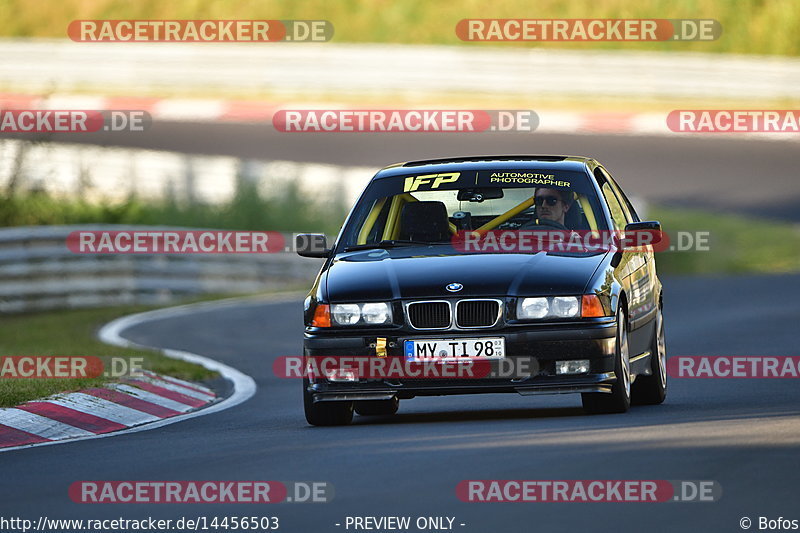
(389, 243)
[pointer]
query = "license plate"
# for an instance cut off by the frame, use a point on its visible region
(450, 350)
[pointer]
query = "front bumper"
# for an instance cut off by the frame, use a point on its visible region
(544, 344)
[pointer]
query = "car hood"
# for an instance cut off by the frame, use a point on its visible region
(385, 275)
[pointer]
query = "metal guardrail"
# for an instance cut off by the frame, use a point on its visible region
(111, 175)
(51, 65)
(38, 271)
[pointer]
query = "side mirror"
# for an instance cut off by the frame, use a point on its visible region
(311, 245)
(643, 233)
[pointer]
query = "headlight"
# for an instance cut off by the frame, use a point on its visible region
(553, 307)
(372, 314)
(533, 308)
(565, 306)
(376, 313)
(346, 314)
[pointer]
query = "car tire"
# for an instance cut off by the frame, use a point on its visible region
(377, 407)
(619, 400)
(326, 413)
(652, 389)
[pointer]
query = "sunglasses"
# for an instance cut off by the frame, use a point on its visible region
(549, 200)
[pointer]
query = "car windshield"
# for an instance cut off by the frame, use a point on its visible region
(431, 208)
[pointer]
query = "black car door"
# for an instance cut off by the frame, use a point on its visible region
(634, 267)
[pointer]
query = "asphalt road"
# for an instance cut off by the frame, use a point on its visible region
(730, 174)
(742, 433)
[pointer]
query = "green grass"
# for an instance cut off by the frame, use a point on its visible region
(749, 26)
(287, 211)
(737, 244)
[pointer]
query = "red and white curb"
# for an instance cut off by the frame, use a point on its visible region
(136, 404)
(214, 110)
(180, 109)
(96, 411)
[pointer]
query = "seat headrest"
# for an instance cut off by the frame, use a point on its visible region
(574, 219)
(424, 221)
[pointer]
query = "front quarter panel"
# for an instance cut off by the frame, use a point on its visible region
(316, 295)
(607, 283)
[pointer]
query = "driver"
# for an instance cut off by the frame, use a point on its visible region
(552, 204)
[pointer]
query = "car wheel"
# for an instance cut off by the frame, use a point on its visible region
(326, 413)
(377, 407)
(619, 400)
(652, 390)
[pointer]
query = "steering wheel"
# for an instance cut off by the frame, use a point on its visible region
(544, 222)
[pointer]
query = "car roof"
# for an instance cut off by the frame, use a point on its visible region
(489, 162)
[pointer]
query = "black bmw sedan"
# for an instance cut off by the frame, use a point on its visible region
(485, 275)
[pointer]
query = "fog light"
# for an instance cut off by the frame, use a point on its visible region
(578, 366)
(341, 376)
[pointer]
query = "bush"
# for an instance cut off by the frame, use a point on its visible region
(248, 210)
